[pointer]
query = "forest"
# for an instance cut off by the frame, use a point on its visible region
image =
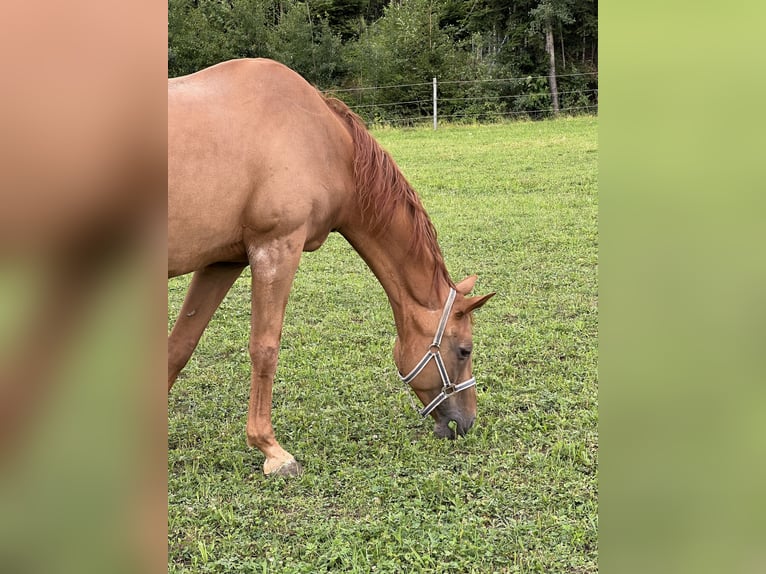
(491, 58)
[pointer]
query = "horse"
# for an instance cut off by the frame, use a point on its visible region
(262, 167)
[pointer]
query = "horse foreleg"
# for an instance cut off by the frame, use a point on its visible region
(208, 287)
(273, 267)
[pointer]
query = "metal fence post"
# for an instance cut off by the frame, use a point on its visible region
(435, 107)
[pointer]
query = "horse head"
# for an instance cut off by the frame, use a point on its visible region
(442, 377)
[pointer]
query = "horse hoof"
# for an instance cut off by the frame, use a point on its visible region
(289, 469)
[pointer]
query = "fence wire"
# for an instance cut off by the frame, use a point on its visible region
(446, 82)
(505, 97)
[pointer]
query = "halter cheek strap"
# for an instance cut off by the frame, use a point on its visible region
(434, 352)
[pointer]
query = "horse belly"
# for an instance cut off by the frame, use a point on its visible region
(204, 221)
(190, 251)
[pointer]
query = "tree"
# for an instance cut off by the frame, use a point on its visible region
(545, 16)
(405, 48)
(362, 43)
(196, 36)
(248, 29)
(305, 42)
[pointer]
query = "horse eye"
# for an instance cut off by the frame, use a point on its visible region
(464, 351)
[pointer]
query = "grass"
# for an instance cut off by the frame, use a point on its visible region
(515, 203)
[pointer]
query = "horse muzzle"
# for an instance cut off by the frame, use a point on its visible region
(452, 425)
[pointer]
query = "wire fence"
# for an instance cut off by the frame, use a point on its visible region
(464, 101)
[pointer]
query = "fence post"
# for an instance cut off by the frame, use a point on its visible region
(435, 107)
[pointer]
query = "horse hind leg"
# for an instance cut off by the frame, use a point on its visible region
(208, 287)
(273, 267)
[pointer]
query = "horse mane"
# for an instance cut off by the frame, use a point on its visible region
(382, 189)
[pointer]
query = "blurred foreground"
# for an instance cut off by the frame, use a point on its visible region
(83, 196)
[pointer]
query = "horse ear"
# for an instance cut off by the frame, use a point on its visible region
(475, 302)
(465, 286)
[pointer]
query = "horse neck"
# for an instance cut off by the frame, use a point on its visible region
(415, 280)
(382, 222)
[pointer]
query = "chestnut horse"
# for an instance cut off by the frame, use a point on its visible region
(262, 167)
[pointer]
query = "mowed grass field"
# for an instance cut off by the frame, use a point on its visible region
(516, 204)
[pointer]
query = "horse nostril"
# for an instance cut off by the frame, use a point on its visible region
(464, 351)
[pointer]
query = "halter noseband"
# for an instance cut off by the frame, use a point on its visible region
(448, 387)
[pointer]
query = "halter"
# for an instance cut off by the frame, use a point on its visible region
(448, 387)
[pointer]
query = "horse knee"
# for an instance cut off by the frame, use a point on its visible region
(263, 357)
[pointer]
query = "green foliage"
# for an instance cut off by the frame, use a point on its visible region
(248, 29)
(407, 48)
(348, 44)
(196, 35)
(306, 44)
(550, 11)
(515, 203)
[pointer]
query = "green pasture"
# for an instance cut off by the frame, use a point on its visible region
(515, 203)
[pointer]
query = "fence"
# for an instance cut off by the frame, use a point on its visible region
(471, 100)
